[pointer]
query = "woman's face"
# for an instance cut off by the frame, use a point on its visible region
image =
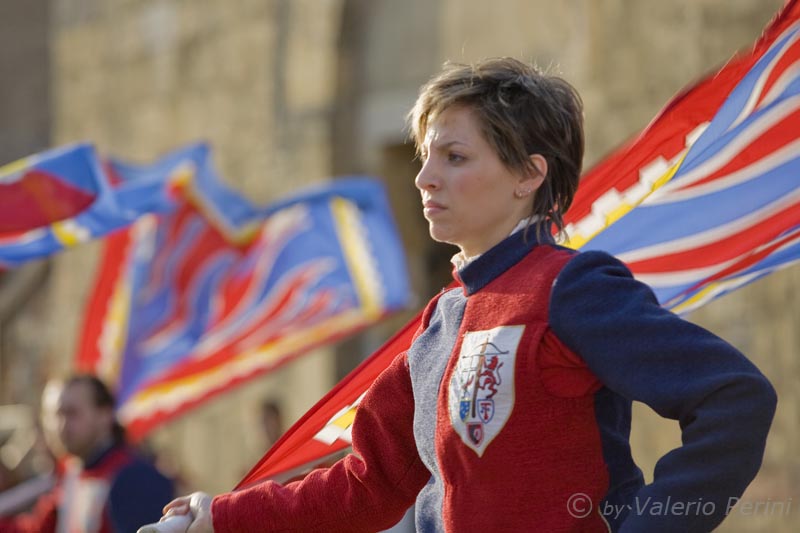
(469, 197)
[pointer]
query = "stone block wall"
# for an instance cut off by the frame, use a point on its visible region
(294, 91)
(255, 80)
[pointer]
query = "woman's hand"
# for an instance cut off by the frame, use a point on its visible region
(198, 504)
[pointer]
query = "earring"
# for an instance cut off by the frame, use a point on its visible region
(522, 194)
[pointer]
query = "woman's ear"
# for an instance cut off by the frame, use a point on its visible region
(534, 177)
(538, 165)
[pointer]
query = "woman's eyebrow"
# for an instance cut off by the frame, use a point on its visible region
(448, 144)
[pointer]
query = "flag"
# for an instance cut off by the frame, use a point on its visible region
(66, 196)
(205, 291)
(323, 433)
(198, 289)
(142, 192)
(52, 201)
(706, 199)
(701, 202)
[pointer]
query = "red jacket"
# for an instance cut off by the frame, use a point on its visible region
(511, 411)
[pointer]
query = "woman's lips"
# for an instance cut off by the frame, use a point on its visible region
(431, 208)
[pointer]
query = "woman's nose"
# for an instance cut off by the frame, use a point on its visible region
(426, 179)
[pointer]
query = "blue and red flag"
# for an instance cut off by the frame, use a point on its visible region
(701, 202)
(706, 199)
(52, 201)
(66, 196)
(205, 290)
(198, 289)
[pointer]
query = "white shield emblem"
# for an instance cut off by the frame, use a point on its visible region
(482, 387)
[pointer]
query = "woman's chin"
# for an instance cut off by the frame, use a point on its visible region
(439, 235)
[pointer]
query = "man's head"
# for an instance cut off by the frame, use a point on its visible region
(521, 112)
(85, 414)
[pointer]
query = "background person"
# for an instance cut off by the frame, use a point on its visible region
(104, 486)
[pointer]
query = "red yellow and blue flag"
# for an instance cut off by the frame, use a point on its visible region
(205, 290)
(707, 197)
(198, 289)
(53, 201)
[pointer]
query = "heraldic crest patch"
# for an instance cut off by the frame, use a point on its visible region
(481, 394)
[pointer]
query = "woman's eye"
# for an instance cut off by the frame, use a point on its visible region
(455, 158)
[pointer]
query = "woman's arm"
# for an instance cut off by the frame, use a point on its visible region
(368, 490)
(636, 348)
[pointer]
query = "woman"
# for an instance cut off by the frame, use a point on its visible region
(511, 410)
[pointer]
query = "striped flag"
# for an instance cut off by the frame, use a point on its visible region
(718, 206)
(199, 290)
(52, 201)
(66, 196)
(703, 201)
(205, 291)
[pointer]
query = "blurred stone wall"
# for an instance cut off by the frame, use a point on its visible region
(254, 79)
(293, 91)
(25, 128)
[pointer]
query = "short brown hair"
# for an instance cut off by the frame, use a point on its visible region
(521, 111)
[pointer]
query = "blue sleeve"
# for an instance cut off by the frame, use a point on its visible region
(641, 351)
(138, 494)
